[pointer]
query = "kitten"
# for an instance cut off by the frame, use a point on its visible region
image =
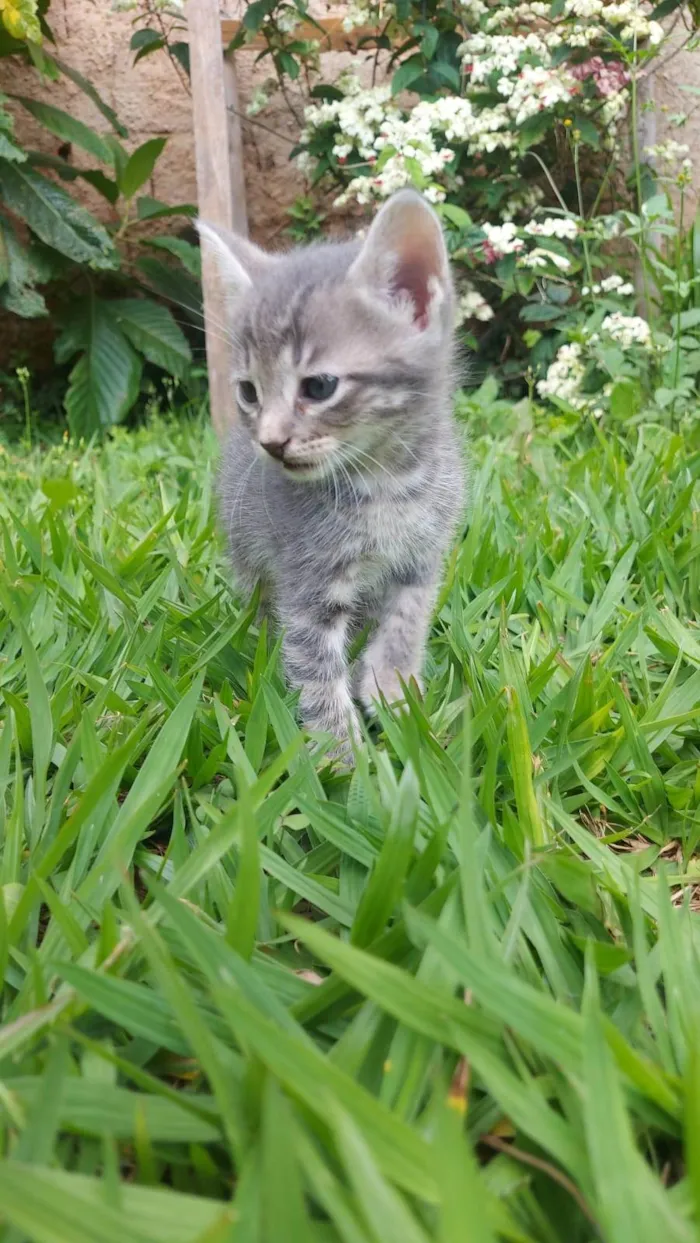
(342, 477)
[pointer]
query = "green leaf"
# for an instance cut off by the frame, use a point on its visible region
(625, 399)
(689, 319)
(616, 1164)
(119, 1112)
(139, 166)
(67, 128)
(151, 329)
(152, 209)
(9, 150)
(175, 285)
(56, 1207)
(189, 255)
(104, 383)
(55, 217)
(584, 126)
(146, 41)
(93, 94)
(407, 72)
(19, 274)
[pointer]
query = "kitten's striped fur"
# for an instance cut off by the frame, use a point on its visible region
(354, 522)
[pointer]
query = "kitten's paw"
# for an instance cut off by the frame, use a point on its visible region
(342, 756)
(345, 731)
(387, 682)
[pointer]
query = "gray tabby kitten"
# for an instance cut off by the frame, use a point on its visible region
(342, 478)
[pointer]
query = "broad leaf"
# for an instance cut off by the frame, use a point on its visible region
(67, 128)
(189, 255)
(151, 329)
(93, 94)
(148, 208)
(139, 166)
(55, 217)
(104, 383)
(19, 274)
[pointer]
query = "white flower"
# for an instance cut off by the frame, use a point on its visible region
(288, 19)
(615, 284)
(564, 227)
(539, 258)
(503, 238)
(669, 152)
(627, 330)
(564, 376)
(471, 305)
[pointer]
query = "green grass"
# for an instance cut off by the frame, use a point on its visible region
(452, 997)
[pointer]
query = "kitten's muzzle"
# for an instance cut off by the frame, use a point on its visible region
(276, 448)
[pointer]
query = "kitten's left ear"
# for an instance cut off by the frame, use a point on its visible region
(239, 261)
(404, 255)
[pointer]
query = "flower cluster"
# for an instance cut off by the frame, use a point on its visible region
(471, 305)
(610, 284)
(564, 377)
(627, 330)
(609, 77)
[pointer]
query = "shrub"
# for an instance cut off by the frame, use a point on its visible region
(517, 121)
(108, 326)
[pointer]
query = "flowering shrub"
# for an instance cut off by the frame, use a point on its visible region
(525, 117)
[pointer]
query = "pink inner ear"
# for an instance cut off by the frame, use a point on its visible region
(411, 278)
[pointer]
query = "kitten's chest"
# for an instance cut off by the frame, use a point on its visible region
(379, 538)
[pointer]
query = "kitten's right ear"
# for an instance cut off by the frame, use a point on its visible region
(239, 261)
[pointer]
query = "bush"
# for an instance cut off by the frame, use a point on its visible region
(517, 120)
(108, 327)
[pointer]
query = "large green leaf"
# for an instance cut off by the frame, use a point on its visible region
(175, 285)
(9, 149)
(152, 330)
(55, 217)
(139, 166)
(104, 383)
(93, 94)
(19, 273)
(67, 128)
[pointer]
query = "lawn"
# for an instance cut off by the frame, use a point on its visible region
(452, 997)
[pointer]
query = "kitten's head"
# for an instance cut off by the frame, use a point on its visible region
(341, 353)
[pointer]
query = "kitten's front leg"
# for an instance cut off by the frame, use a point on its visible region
(397, 648)
(315, 660)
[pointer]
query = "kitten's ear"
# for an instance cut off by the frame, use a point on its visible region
(239, 261)
(404, 255)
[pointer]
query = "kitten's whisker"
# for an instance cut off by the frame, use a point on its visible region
(362, 454)
(348, 476)
(238, 509)
(408, 448)
(263, 472)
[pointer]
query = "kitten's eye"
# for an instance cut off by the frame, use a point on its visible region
(247, 392)
(319, 387)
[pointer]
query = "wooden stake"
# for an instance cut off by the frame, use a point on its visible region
(220, 186)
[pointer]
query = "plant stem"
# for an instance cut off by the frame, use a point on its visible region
(679, 255)
(638, 184)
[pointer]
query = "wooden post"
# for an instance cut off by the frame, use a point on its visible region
(219, 182)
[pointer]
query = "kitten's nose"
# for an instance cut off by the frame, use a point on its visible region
(275, 448)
